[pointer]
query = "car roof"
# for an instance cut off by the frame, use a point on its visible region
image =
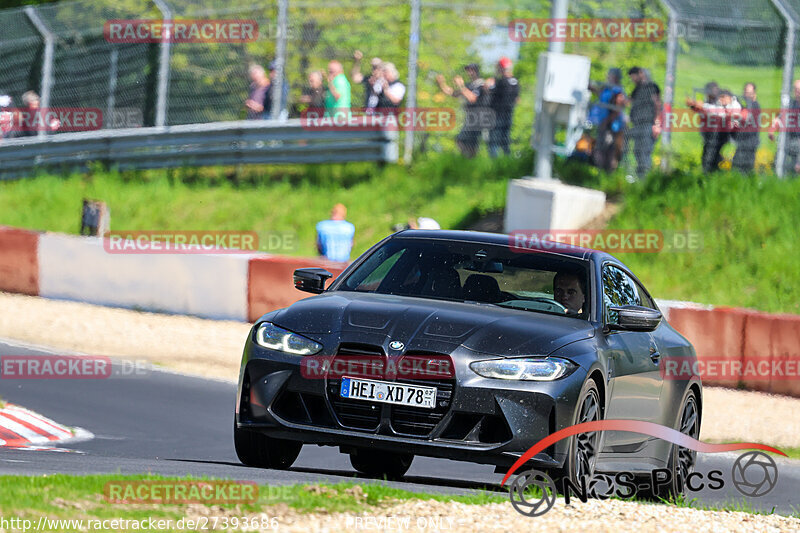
(503, 239)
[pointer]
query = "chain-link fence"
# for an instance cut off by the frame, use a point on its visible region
(61, 51)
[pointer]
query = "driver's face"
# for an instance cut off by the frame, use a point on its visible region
(567, 291)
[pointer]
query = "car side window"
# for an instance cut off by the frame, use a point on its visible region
(644, 298)
(618, 289)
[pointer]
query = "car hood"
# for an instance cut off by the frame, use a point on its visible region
(419, 321)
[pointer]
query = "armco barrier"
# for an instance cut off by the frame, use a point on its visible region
(19, 268)
(715, 333)
(270, 282)
(205, 285)
(785, 348)
(757, 345)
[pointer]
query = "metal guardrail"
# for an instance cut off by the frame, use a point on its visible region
(195, 145)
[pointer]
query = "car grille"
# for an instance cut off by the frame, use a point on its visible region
(356, 414)
(408, 421)
(417, 421)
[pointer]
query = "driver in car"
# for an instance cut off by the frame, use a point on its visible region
(569, 290)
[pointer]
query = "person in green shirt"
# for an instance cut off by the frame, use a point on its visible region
(337, 97)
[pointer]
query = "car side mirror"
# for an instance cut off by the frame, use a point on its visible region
(635, 318)
(311, 279)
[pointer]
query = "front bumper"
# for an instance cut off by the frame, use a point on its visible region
(476, 419)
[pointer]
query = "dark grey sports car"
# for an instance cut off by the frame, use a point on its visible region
(460, 345)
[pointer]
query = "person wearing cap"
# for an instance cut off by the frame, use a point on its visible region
(503, 96)
(645, 118)
(335, 236)
(373, 85)
(474, 100)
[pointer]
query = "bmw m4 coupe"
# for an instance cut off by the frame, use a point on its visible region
(461, 345)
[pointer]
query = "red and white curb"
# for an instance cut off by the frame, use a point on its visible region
(20, 427)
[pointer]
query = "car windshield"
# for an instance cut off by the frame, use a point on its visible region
(475, 273)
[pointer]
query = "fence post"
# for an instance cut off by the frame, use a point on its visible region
(669, 87)
(786, 84)
(280, 60)
(47, 63)
(109, 121)
(411, 96)
(163, 65)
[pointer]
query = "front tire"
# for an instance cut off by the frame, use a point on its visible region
(257, 450)
(583, 449)
(381, 464)
(681, 460)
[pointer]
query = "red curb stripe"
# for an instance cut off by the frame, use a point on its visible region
(28, 425)
(40, 419)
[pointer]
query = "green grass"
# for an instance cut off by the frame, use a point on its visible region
(64, 496)
(748, 226)
(446, 187)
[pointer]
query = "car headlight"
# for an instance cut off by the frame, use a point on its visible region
(529, 369)
(271, 336)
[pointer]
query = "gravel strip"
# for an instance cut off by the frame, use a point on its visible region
(611, 516)
(213, 349)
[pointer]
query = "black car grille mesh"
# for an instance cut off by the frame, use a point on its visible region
(365, 415)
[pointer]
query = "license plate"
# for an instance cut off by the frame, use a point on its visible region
(393, 393)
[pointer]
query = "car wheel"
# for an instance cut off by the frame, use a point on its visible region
(381, 464)
(258, 450)
(583, 449)
(681, 460)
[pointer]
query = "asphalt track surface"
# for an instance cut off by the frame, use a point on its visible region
(176, 425)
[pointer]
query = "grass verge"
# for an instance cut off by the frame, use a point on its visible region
(68, 496)
(747, 225)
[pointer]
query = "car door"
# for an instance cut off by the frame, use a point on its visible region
(635, 380)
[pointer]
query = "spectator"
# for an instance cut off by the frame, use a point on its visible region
(335, 236)
(373, 84)
(474, 102)
(608, 147)
(337, 97)
(791, 164)
(26, 123)
(503, 96)
(268, 98)
(314, 95)
(392, 90)
(645, 118)
(606, 93)
(717, 137)
(259, 84)
(747, 140)
(6, 116)
(712, 94)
